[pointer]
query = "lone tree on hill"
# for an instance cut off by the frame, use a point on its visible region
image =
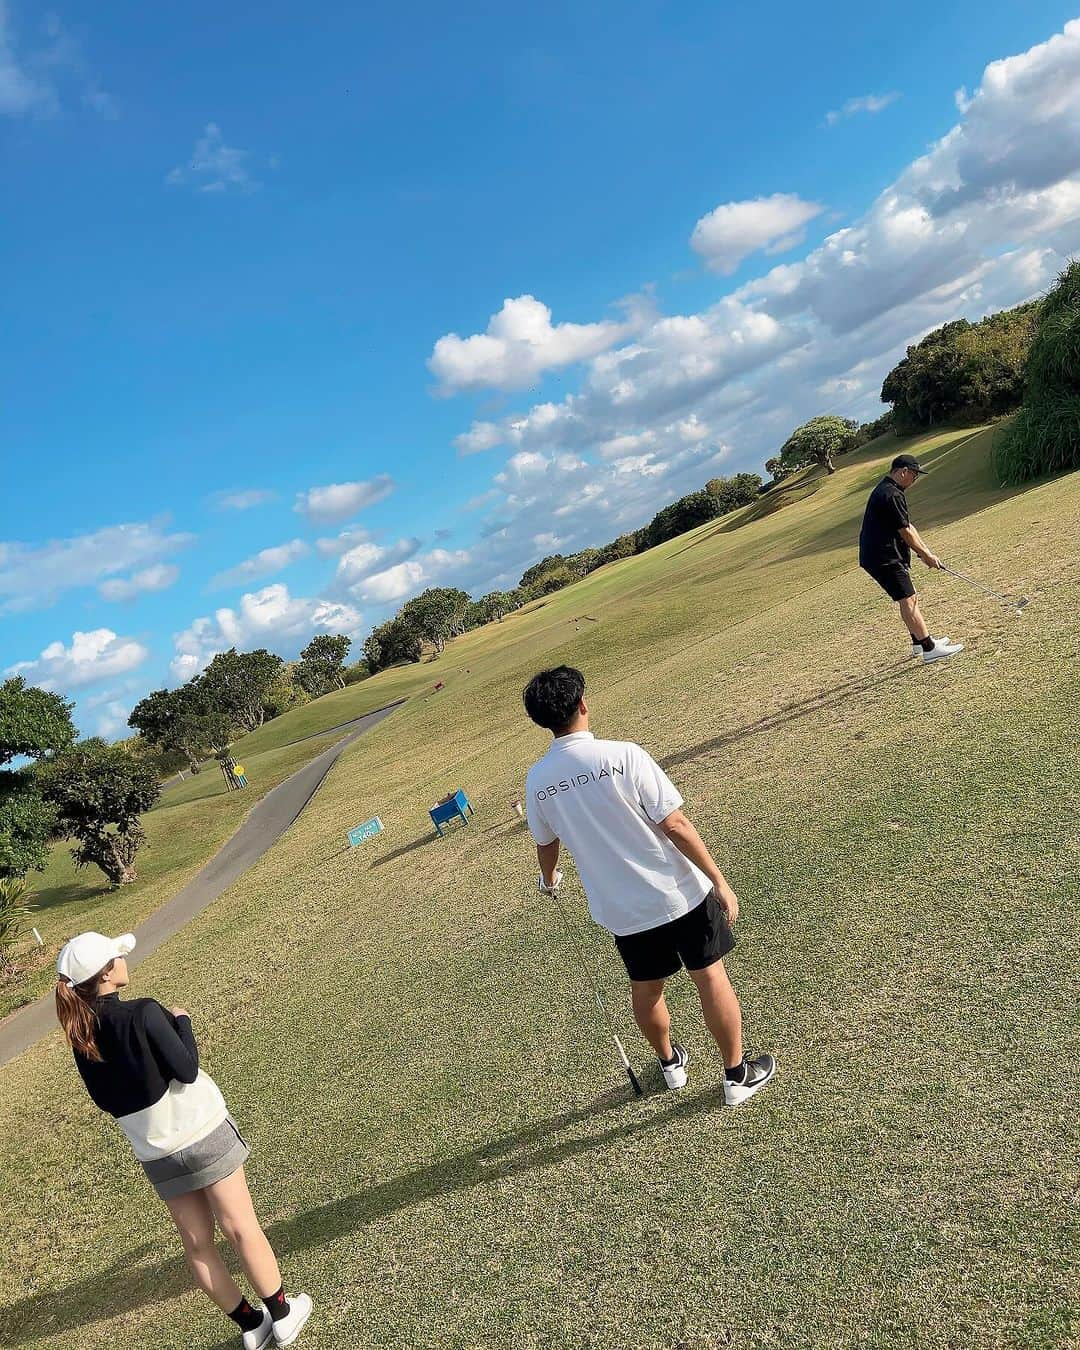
(34, 724)
(238, 682)
(817, 442)
(99, 792)
(322, 664)
(437, 614)
(181, 721)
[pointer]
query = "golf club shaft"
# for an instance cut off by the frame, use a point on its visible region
(604, 1011)
(978, 585)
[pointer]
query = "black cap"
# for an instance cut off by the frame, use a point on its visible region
(908, 462)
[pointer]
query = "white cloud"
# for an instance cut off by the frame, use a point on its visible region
(267, 618)
(97, 655)
(33, 576)
(333, 546)
(366, 559)
(1008, 174)
(338, 501)
(214, 166)
(112, 720)
(157, 578)
(243, 499)
(405, 579)
(264, 563)
(37, 80)
(734, 230)
(865, 103)
(520, 344)
(480, 436)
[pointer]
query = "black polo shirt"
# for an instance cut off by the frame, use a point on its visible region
(886, 515)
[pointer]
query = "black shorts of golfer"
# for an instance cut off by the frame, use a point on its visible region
(140, 1063)
(649, 878)
(886, 541)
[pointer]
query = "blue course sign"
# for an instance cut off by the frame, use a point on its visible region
(368, 830)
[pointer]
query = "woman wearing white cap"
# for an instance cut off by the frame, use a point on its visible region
(140, 1063)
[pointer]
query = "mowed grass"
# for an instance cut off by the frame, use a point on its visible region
(445, 1151)
(184, 830)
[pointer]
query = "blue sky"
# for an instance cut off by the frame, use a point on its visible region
(305, 310)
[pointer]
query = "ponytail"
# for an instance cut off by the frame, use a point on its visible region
(75, 1011)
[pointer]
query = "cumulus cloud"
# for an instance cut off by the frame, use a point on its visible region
(215, 167)
(865, 103)
(405, 579)
(264, 563)
(338, 501)
(97, 655)
(734, 230)
(111, 722)
(366, 559)
(520, 344)
(1007, 175)
(33, 576)
(243, 499)
(157, 578)
(269, 618)
(480, 436)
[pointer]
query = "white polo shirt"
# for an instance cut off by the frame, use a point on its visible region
(602, 799)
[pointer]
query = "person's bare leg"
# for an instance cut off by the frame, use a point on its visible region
(652, 1016)
(230, 1201)
(195, 1223)
(913, 619)
(723, 1016)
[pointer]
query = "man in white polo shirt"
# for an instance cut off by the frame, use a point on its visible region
(650, 880)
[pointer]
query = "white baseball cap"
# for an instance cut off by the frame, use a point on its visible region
(88, 954)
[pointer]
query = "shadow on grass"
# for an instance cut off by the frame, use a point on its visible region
(528, 1150)
(48, 897)
(396, 853)
(821, 701)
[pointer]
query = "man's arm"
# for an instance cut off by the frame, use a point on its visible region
(691, 845)
(910, 535)
(548, 857)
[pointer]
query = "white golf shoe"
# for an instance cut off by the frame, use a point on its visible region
(287, 1329)
(942, 647)
(675, 1075)
(261, 1335)
(916, 647)
(755, 1074)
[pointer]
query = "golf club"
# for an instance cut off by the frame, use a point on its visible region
(553, 891)
(1018, 605)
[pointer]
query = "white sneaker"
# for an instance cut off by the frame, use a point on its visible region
(942, 647)
(262, 1335)
(675, 1075)
(916, 647)
(287, 1329)
(756, 1073)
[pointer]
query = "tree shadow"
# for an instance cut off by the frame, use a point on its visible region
(821, 701)
(515, 1154)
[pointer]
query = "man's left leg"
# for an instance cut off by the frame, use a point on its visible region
(721, 1010)
(652, 1016)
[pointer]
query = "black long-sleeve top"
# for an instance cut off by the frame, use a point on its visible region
(149, 1077)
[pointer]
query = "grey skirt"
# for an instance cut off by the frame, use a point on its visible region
(213, 1158)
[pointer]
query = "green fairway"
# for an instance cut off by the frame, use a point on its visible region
(445, 1149)
(187, 826)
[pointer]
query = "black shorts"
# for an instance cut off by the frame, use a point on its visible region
(694, 940)
(894, 579)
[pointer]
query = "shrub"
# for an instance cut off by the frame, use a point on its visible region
(14, 920)
(1045, 437)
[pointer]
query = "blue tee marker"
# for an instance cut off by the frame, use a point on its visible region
(455, 805)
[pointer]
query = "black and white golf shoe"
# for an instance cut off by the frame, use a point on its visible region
(755, 1074)
(675, 1075)
(917, 648)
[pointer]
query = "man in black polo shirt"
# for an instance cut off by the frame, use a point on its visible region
(885, 544)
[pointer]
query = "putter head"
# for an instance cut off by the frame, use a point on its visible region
(1022, 603)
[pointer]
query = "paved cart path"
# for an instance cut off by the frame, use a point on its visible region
(267, 822)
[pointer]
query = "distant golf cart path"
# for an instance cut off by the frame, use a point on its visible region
(267, 822)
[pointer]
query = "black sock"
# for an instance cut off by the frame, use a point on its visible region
(674, 1056)
(737, 1074)
(926, 643)
(277, 1305)
(245, 1316)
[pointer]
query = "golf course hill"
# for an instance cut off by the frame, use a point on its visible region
(444, 1149)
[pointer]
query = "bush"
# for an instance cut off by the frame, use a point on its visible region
(1045, 437)
(14, 920)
